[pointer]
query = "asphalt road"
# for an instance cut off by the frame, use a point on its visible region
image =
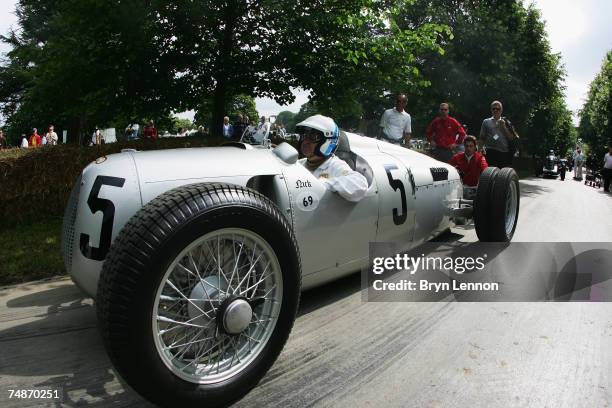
(346, 353)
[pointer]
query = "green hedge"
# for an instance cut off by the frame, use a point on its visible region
(36, 183)
(31, 251)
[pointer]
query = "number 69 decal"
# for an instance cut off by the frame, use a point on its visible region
(107, 207)
(307, 200)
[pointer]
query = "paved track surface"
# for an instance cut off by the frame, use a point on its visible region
(346, 353)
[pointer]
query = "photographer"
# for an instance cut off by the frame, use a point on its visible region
(499, 138)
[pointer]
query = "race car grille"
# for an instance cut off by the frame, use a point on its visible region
(439, 173)
(68, 226)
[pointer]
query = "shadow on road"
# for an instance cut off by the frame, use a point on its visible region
(54, 298)
(322, 296)
(62, 345)
(530, 189)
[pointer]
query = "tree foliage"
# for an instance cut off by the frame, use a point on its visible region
(595, 116)
(82, 62)
(287, 119)
(178, 124)
(499, 51)
(236, 105)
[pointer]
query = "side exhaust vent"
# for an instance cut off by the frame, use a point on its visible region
(439, 173)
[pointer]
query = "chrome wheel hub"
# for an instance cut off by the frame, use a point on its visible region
(237, 316)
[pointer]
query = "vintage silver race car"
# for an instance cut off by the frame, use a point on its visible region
(551, 166)
(196, 257)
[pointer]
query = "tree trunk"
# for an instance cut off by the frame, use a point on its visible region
(223, 67)
(218, 110)
(76, 127)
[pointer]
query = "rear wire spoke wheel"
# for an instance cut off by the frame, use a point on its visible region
(198, 294)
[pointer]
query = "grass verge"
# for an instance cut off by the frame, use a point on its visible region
(31, 251)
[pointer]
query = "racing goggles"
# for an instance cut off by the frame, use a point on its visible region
(311, 135)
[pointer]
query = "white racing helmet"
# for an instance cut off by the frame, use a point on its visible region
(326, 125)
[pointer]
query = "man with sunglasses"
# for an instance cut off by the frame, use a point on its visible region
(443, 133)
(396, 124)
(497, 135)
(319, 136)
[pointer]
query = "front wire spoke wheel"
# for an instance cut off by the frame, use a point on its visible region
(217, 305)
(199, 293)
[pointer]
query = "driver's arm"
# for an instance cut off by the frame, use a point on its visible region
(350, 184)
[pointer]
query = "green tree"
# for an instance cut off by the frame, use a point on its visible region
(77, 63)
(82, 63)
(499, 51)
(237, 105)
(596, 114)
(337, 49)
(180, 123)
(287, 118)
(243, 105)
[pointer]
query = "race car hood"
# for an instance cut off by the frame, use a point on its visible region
(160, 170)
(426, 170)
(113, 188)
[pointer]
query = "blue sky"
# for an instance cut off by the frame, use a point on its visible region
(580, 30)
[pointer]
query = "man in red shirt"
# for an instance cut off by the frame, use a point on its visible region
(442, 134)
(35, 139)
(469, 163)
(150, 132)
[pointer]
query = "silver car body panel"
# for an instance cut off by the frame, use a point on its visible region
(403, 204)
(90, 223)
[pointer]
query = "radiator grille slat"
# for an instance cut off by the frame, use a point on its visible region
(68, 224)
(439, 173)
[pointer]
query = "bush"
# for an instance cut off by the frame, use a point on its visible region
(36, 183)
(31, 251)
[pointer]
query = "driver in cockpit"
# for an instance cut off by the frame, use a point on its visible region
(318, 141)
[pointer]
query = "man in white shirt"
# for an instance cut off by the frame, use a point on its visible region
(319, 137)
(578, 163)
(51, 136)
(96, 137)
(396, 124)
(607, 169)
(262, 130)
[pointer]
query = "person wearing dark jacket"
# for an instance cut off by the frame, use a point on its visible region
(562, 170)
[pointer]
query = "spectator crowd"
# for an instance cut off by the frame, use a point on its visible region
(34, 139)
(448, 139)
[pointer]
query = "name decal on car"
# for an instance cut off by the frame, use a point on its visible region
(302, 184)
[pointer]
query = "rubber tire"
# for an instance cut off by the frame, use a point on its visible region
(482, 203)
(499, 194)
(138, 260)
